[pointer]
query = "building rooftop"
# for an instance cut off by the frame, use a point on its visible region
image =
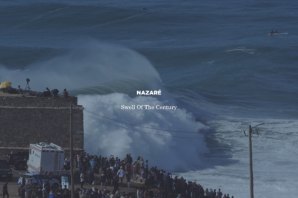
(46, 146)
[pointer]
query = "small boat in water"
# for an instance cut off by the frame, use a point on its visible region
(276, 33)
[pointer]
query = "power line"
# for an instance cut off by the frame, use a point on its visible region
(121, 123)
(135, 125)
(35, 107)
(148, 132)
(124, 125)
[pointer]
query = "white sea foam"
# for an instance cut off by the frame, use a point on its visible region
(242, 49)
(274, 154)
(169, 139)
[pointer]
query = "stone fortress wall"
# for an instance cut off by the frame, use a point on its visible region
(32, 119)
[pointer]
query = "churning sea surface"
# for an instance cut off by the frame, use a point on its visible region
(213, 59)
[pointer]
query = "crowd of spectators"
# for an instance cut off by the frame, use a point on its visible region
(150, 182)
(102, 177)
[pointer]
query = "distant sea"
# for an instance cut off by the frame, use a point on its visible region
(215, 60)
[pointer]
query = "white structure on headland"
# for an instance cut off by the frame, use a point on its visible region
(45, 158)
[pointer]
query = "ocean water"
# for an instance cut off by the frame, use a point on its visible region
(213, 59)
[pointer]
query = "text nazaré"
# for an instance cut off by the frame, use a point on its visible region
(149, 92)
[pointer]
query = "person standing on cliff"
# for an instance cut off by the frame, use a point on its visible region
(5, 190)
(82, 180)
(65, 93)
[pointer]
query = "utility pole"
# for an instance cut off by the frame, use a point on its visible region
(251, 177)
(251, 131)
(71, 152)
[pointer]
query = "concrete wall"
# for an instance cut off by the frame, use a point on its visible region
(25, 120)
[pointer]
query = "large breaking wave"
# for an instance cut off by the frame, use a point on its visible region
(105, 77)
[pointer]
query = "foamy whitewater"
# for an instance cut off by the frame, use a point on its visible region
(213, 60)
(168, 139)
